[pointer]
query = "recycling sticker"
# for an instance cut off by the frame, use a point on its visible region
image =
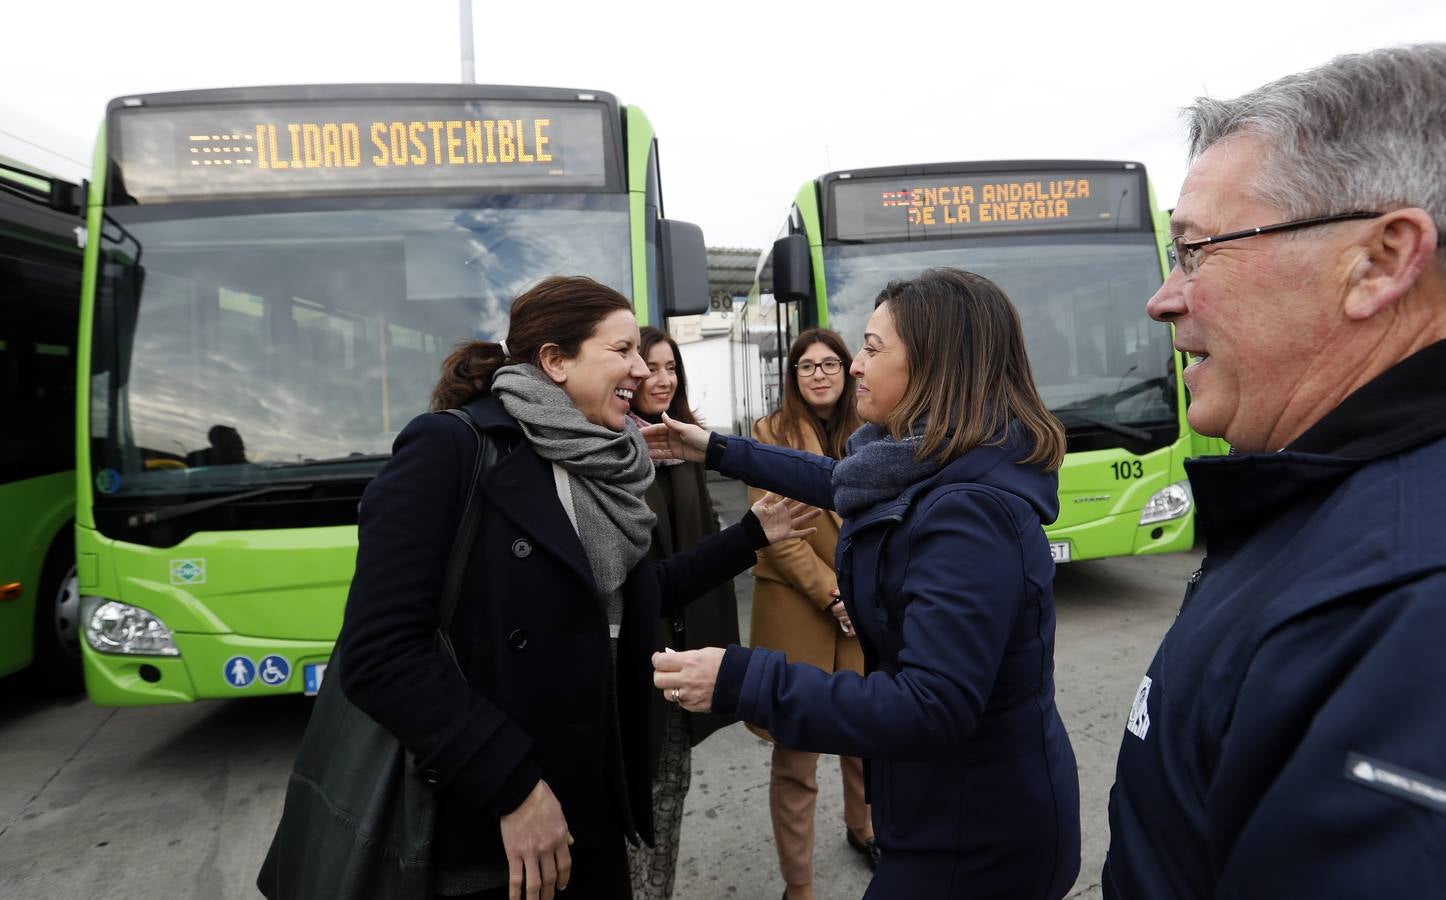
(188, 571)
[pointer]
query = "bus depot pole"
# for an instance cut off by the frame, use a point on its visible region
(468, 75)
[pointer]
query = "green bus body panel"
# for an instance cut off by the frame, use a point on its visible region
(279, 592)
(33, 511)
(198, 673)
(639, 141)
(94, 215)
(288, 583)
(807, 203)
(47, 502)
(264, 593)
(1100, 516)
(38, 184)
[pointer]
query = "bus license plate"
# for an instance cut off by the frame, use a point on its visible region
(312, 674)
(1059, 551)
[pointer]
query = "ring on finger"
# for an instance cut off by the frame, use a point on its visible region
(677, 695)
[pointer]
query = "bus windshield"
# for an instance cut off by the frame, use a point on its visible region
(1100, 363)
(242, 344)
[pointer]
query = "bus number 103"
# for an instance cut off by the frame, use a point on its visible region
(1127, 469)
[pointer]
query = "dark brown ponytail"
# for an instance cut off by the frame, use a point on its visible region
(467, 374)
(562, 310)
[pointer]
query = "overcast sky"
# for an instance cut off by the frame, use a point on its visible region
(750, 98)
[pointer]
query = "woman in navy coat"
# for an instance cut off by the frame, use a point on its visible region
(945, 574)
(538, 745)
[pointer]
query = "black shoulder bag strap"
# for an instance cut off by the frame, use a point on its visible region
(466, 537)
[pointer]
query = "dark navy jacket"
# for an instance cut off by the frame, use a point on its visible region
(1290, 737)
(971, 775)
(530, 632)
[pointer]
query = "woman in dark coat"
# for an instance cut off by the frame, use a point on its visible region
(946, 575)
(538, 745)
(679, 497)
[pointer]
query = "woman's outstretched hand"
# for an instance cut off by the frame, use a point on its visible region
(671, 439)
(782, 518)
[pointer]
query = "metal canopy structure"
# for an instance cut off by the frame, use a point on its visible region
(730, 274)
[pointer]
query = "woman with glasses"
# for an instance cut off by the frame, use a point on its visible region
(795, 597)
(946, 575)
(680, 500)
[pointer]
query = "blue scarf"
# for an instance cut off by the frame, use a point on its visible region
(878, 469)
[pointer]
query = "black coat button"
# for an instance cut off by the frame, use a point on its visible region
(521, 548)
(429, 776)
(517, 639)
(677, 626)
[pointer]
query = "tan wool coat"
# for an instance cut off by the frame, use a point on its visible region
(792, 587)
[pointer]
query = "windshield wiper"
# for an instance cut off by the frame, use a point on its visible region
(166, 513)
(1138, 434)
(329, 461)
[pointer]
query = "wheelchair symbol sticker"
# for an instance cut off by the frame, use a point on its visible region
(274, 670)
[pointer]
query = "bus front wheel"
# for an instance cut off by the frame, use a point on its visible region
(57, 668)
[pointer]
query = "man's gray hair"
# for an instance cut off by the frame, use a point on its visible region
(1362, 132)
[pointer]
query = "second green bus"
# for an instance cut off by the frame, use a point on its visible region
(1079, 247)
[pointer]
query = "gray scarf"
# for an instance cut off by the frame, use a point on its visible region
(878, 468)
(609, 470)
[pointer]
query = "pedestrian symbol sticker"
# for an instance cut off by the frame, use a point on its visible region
(274, 670)
(239, 671)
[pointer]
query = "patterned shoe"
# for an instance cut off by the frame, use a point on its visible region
(868, 849)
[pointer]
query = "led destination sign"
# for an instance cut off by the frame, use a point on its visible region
(334, 147)
(914, 206)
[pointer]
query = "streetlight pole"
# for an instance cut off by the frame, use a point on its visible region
(469, 76)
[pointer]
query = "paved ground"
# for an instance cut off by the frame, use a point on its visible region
(180, 802)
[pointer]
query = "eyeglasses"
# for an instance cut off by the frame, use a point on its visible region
(831, 366)
(1186, 254)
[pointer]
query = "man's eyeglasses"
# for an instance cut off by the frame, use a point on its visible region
(831, 366)
(1186, 254)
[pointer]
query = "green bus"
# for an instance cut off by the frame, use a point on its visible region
(41, 236)
(272, 278)
(1078, 246)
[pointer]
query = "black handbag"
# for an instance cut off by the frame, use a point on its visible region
(359, 818)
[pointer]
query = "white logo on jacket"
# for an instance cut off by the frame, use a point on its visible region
(1139, 724)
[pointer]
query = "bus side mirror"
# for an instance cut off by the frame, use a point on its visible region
(685, 268)
(792, 269)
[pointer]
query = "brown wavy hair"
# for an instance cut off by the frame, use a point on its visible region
(969, 375)
(794, 414)
(678, 408)
(562, 310)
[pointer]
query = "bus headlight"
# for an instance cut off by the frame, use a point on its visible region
(113, 627)
(1169, 502)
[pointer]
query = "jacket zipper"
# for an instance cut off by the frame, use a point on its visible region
(847, 567)
(1190, 587)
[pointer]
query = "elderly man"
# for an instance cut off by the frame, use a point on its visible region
(1289, 738)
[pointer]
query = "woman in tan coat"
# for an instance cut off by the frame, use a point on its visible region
(794, 596)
